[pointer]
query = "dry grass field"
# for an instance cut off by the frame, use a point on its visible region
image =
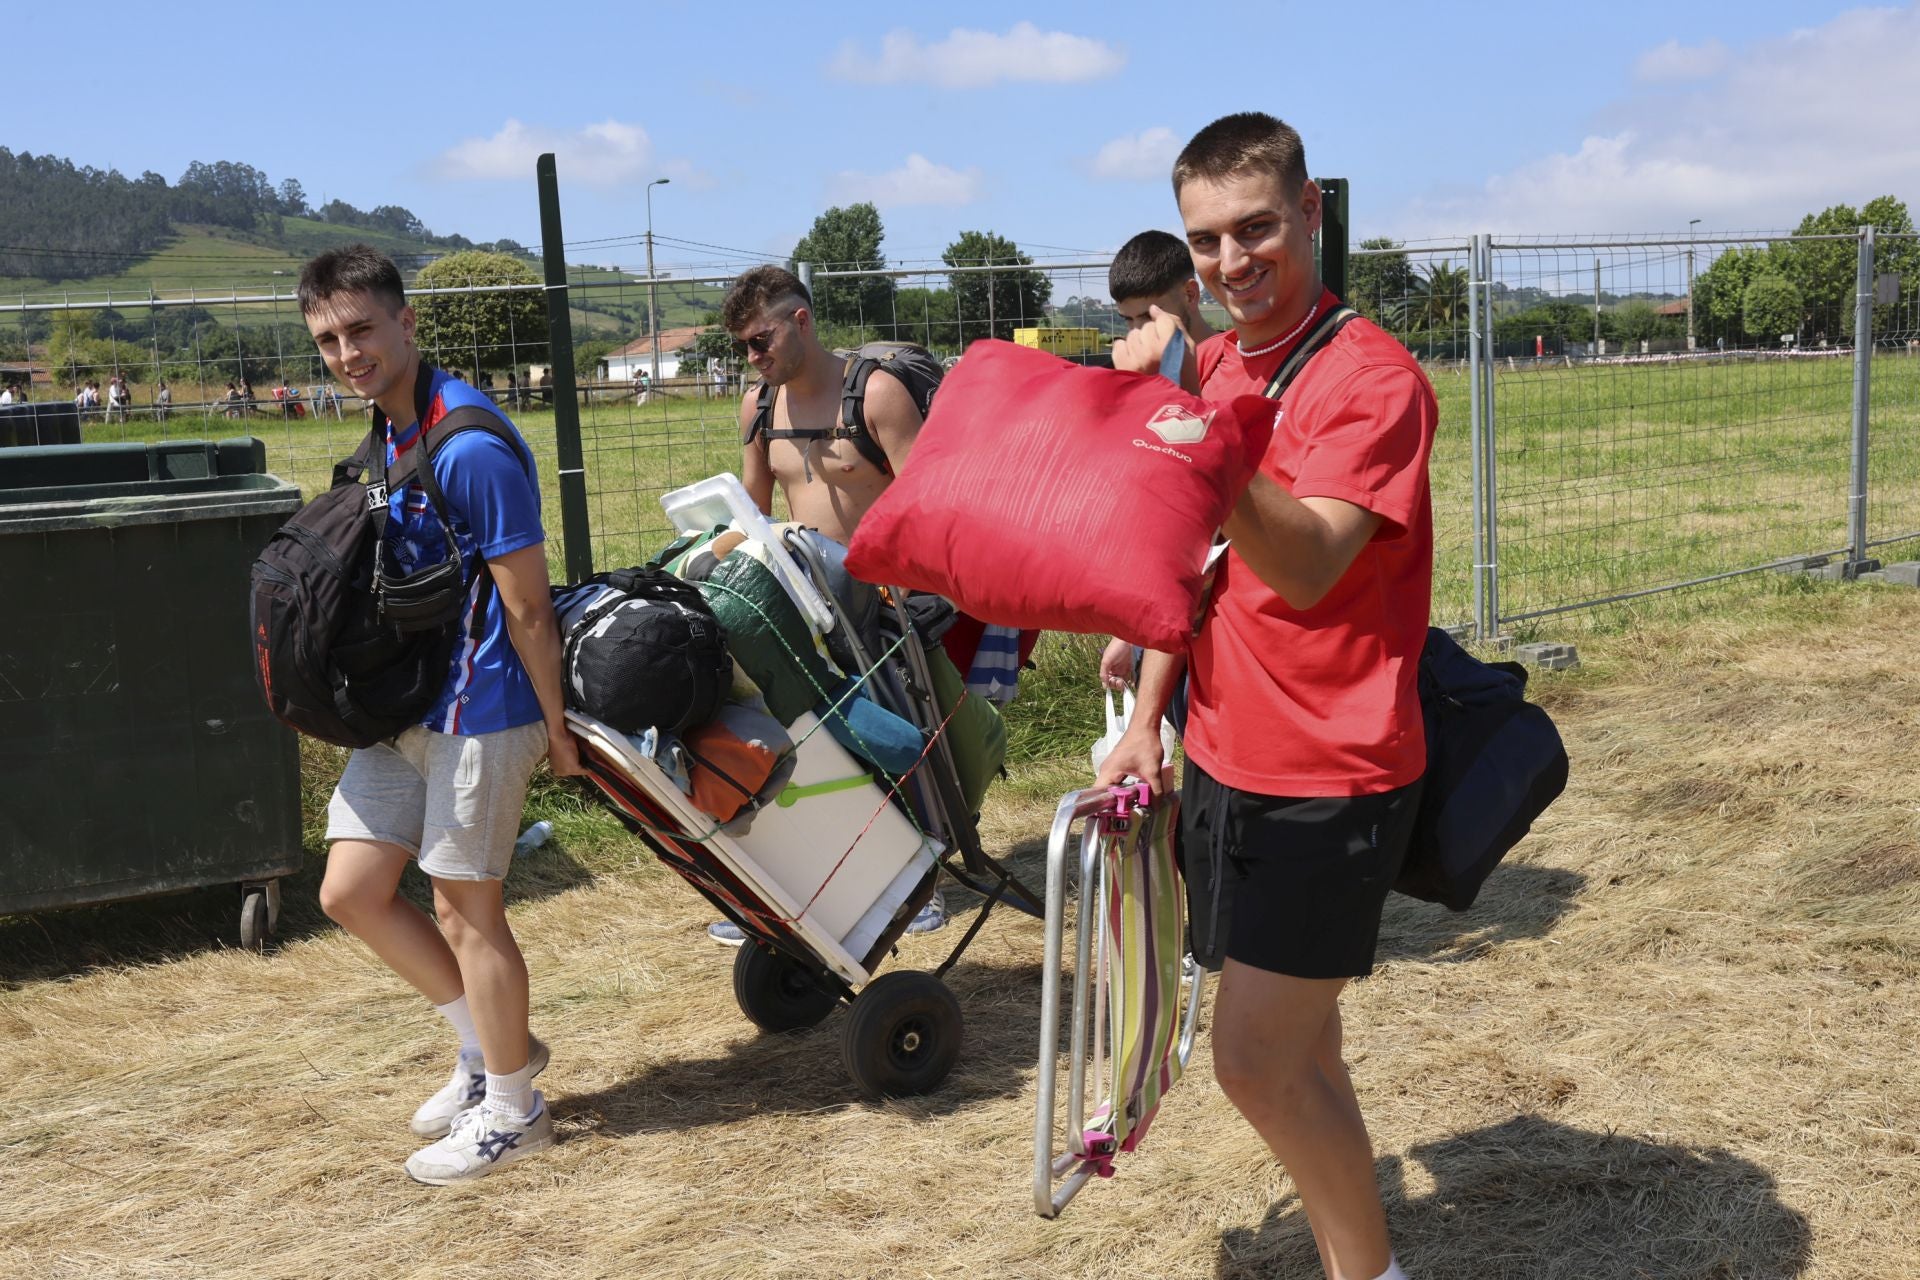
(1675, 1039)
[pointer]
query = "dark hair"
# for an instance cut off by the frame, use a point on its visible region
(1150, 264)
(1240, 142)
(353, 268)
(758, 289)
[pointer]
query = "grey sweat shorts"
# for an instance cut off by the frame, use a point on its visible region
(452, 800)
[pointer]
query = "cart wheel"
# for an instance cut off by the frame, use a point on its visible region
(902, 1036)
(255, 920)
(777, 994)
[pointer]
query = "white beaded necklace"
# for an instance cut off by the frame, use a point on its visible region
(1279, 342)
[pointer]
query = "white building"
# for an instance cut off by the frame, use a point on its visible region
(626, 363)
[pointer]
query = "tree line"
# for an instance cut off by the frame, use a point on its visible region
(59, 220)
(852, 310)
(1799, 289)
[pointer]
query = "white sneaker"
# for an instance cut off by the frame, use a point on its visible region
(466, 1090)
(482, 1141)
(930, 917)
(726, 933)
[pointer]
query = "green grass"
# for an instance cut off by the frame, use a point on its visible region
(1617, 479)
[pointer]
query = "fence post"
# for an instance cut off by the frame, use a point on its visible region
(1862, 383)
(1489, 469)
(1333, 235)
(805, 271)
(1474, 359)
(566, 406)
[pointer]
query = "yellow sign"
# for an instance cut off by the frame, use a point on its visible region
(1064, 342)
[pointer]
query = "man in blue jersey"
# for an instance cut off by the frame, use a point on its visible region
(449, 791)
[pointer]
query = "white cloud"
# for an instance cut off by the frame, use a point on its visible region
(605, 154)
(918, 181)
(1790, 125)
(1673, 61)
(1138, 157)
(974, 59)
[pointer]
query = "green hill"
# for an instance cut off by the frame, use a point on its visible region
(215, 262)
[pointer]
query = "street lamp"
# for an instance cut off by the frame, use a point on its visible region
(1691, 224)
(653, 322)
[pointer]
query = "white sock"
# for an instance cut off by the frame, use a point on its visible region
(1393, 1271)
(512, 1096)
(456, 1012)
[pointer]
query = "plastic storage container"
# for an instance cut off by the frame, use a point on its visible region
(723, 500)
(136, 753)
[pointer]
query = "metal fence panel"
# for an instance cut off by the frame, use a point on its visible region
(1634, 457)
(1893, 463)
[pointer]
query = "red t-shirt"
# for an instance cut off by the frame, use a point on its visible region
(1323, 702)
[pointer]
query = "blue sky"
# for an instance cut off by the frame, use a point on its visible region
(1051, 124)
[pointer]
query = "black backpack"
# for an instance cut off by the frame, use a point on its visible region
(342, 652)
(1494, 762)
(642, 649)
(918, 370)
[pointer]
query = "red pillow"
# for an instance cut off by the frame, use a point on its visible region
(1044, 494)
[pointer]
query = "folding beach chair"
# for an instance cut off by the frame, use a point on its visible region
(1136, 995)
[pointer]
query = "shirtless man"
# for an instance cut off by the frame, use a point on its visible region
(827, 480)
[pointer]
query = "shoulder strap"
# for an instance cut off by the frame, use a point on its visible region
(1323, 330)
(471, 417)
(853, 410)
(762, 414)
(853, 417)
(354, 467)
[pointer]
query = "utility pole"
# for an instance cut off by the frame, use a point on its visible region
(653, 319)
(1691, 224)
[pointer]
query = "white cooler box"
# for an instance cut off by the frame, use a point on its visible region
(812, 844)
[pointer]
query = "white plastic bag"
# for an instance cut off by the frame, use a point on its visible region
(1117, 725)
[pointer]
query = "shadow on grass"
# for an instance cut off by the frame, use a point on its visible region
(803, 1071)
(1532, 1199)
(1518, 901)
(56, 945)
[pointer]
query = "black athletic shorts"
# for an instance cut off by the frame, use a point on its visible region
(1289, 885)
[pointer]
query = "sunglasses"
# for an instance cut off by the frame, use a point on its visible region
(762, 342)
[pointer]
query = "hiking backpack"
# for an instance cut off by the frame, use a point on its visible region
(342, 651)
(1494, 762)
(918, 370)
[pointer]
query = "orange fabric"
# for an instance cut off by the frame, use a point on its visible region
(727, 771)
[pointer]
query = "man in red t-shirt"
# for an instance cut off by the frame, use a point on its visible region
(1305, 747)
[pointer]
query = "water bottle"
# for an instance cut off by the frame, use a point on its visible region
(533, 837)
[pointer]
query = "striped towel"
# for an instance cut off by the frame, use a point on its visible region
(1143, 904)
(995, 673)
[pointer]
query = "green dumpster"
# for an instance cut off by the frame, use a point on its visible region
(136, 755)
